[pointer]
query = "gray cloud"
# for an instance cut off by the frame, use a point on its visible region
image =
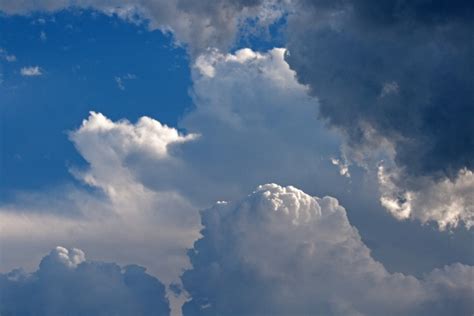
(280, 251)
(395, 72)
(197, 24)
(67, 284)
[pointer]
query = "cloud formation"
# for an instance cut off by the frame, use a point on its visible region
(251, 114)
(394, 73)
(33, 71)
(68, 284)
(197, 24)
(121, 213)
(280, 251)
(149, 179)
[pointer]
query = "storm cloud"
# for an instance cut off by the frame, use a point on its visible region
(393, 74)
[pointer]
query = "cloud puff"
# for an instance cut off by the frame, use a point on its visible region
(198, 24)
(280, 251)
(67, 284)
(393, 72)
(33, 71)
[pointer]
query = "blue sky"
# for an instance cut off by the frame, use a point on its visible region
(231, 157)
(81, 58)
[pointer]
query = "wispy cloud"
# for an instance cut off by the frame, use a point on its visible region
(120, 80)
(6, 56)
(32, 71)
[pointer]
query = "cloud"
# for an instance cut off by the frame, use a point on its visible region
(251, 114)
(33, 71)
(252, 123)
(68, 284)
(6, 56)
(148, 180)
(120, 80)
(280, 251)
(448, 202)
(121, 213)
(199, 25)
(393, 73)
(43, 37)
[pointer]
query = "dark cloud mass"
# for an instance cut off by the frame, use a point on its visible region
(401, 68)
(67, 284)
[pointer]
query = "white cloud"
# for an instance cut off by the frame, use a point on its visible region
(447, 202)
(252, 123)
(280, 251)
(32, 71)
(129, 215)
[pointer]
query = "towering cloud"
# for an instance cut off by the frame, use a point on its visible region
(121, 217)
(280, 251)
(67, 284)
(395, 74)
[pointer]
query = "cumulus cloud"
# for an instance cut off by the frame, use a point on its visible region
(280, 251)
(33, 71)
(199, 25)
(68, 284)
(393, 72)
(251, 114)
(124, 216)
(151, 179)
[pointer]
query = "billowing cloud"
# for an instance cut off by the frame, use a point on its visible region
(150, 179)
(250, 114)
(68, 284)
(252, 123)
(199, 24)
(121, 214)
(33, 71)
(280, 251)
(396, 73)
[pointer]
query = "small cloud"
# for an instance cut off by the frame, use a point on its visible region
(6, 56)
(120, 80)
(10, 58)
(32, 71)
(343, 167)
(389, 88)
(43, 36)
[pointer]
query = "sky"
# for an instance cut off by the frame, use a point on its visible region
(282, 157)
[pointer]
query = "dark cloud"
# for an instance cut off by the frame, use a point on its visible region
(349, 54)
(197, 24)
(67, 284)
(396, 73)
